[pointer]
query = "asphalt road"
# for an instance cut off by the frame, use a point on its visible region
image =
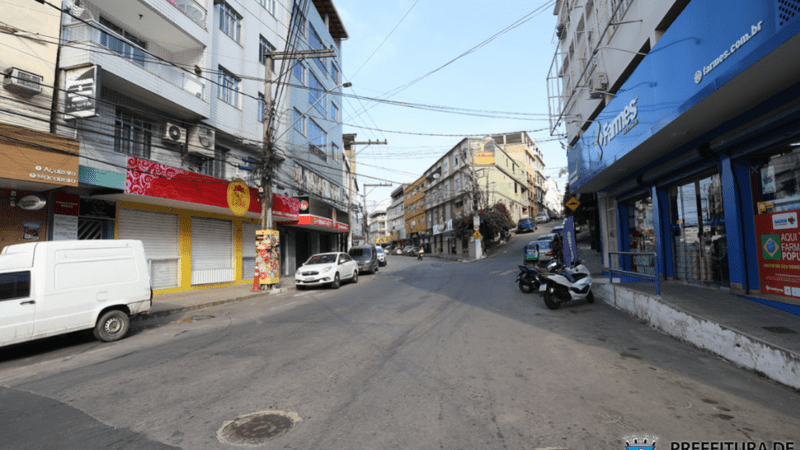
(426, 354)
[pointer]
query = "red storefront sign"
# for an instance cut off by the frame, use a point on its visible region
(151, 179)
(308, 219)
(285, 209)
(778, 237)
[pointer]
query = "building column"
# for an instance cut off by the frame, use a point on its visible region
(663, 231)
(622, 227)
(731, 199)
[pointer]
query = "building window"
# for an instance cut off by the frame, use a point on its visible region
(317, 139)
(316, 44)
(265, 47)
(132, 135)
(262, 107)
(316, 94)
(445, 170)
(455, 160)
(230, 22)
(458, 184)
(214, 167)
(334, 151)
(299, 20)
(111, 42)
(299, 122)
(270, 5)
(228, 88)
(335, 73)
(300, 72)
(335, 113)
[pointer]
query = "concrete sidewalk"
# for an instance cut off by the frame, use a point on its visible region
(169, 304)
(743, 331)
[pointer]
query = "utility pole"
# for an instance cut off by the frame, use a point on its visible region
(270, 159)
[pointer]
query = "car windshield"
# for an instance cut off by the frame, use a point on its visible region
(361, 253)
(321, 259)
(379, 250)
(543, 245)
(546, 237)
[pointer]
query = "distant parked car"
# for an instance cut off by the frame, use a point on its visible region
(538, 251)
(526, 224)
(366, 256)
(559, 230)
(398, 251)
(542, 217)
(326, 269)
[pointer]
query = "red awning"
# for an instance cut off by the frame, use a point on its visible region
(285, 209)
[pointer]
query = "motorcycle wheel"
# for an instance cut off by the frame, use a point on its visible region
(590, 297)
(550, 301)
(525, 287)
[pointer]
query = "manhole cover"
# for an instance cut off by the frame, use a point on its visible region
(257, 428)
(780, 330)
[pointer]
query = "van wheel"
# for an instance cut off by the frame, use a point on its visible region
(112, 326)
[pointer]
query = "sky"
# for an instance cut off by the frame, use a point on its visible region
(508, 74)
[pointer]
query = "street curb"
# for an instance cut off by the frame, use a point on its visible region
(774, 362)
(173, 311)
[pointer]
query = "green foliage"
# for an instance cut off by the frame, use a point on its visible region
(495, 224)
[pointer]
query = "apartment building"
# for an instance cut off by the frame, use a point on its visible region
(378, 228)
(682, 118)
(474, 167)
(38, 165)
(171, 143)
(396, 217)
(523, 149)
(416, 226)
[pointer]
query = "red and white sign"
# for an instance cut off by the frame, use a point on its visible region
(778, 237)
(308, 219)
(151, 179)
(285, 209)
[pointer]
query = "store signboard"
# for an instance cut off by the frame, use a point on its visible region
(83, 88)
(778, 237)
(151, 179)
(65, 216)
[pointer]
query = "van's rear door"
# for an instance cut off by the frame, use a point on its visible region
(17, 307)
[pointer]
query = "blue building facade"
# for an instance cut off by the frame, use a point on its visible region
(697, 156)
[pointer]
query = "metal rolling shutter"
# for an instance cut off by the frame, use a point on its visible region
(159, 233)
(212, 250)
(249, 249)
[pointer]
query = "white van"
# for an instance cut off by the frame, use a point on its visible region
(50, 288)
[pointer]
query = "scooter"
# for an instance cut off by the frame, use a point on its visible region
(570, 283)
(419, 256)
(529, 278)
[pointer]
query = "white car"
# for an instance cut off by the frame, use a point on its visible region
(542, 217)
(327, 268)
(381, 256)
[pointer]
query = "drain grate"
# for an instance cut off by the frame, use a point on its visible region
(780, 330)
(257, 428)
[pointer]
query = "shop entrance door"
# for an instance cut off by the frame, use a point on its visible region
(302, 247)
(698, 232)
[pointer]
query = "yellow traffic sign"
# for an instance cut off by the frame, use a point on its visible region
(573, 203)
(477, 234)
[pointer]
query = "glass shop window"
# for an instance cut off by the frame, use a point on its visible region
(777, 180)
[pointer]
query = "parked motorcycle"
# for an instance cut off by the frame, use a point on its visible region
(529, 279)
(568, 283)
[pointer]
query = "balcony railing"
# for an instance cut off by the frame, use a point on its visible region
(193, 9)
(99, 35)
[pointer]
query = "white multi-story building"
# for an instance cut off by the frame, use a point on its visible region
(178, 116)
(527, 152)
(378, 229)
(553, 197)
(396, 216)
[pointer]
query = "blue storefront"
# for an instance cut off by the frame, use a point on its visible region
(697, 156)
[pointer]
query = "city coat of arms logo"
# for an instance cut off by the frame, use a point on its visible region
(640, 442)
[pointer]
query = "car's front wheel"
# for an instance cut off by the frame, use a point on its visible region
(336, 282)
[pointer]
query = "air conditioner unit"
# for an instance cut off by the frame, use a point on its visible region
(23, 82)
(201, 141)
(599, 85)
(173, 134)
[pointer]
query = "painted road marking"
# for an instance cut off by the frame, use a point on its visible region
(509, 272)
